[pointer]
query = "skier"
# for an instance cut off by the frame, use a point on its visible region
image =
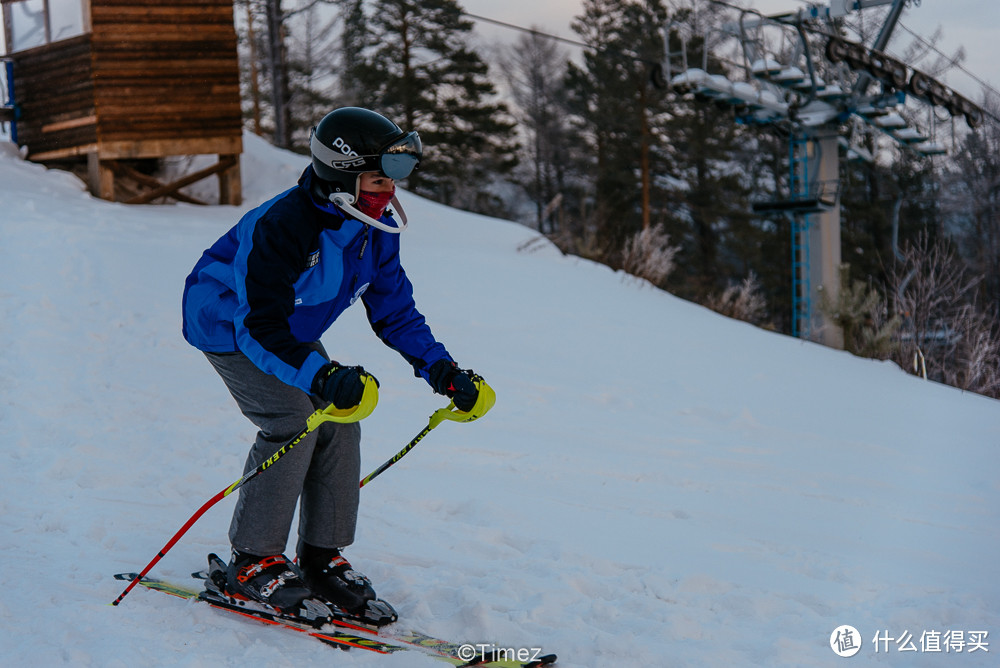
(256, 304)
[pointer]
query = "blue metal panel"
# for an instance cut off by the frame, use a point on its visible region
(9, 100)
(799, 188)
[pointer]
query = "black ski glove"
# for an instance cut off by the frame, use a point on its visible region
(340, 385)
(447, 379)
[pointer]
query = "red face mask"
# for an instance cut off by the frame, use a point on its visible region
(374, 204)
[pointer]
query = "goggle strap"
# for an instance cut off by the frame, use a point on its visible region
(371, 163)
(326, 154)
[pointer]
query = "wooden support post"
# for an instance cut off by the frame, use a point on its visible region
(230, 182)
(101, 177)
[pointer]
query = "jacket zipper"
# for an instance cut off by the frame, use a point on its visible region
(364, 243)
(361, 255)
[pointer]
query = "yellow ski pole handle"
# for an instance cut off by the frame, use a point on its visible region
(484, 402)
(369, 398)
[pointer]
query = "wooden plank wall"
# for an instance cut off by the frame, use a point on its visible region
(55, 91)
(153, 78)
(166, 71)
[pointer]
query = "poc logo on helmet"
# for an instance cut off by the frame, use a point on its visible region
(343, 146)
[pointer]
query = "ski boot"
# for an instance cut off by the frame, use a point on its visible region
(326, 572)
(273, 583)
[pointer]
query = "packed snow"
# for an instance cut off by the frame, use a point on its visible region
(657, 485)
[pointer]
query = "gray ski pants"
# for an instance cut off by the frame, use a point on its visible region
(321, 472)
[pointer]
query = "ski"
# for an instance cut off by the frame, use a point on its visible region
(347, 633)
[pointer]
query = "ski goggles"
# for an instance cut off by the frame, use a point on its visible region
(396, 161)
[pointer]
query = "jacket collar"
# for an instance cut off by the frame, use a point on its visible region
(313, 188)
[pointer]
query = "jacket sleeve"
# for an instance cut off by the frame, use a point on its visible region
(270, 259)
(394, 317)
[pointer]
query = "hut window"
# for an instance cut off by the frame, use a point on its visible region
(31, 23)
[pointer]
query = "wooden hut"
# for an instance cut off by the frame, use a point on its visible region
(126, 81)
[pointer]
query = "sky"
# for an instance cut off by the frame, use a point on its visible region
(657, 485)
(969, 23)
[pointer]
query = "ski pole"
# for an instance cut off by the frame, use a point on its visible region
(484, 402)
(369, 399)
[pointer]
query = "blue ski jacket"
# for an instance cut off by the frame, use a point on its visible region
(285, 272)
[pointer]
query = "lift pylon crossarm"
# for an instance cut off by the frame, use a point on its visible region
(835, 9)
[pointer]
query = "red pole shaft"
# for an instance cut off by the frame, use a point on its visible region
(211, 502)
(166, 548)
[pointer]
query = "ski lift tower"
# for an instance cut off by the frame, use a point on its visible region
(813, 206)
(814, 111)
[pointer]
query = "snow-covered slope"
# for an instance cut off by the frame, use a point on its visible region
(656, 486)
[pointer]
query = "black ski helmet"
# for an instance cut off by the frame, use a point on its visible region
(350, 141)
